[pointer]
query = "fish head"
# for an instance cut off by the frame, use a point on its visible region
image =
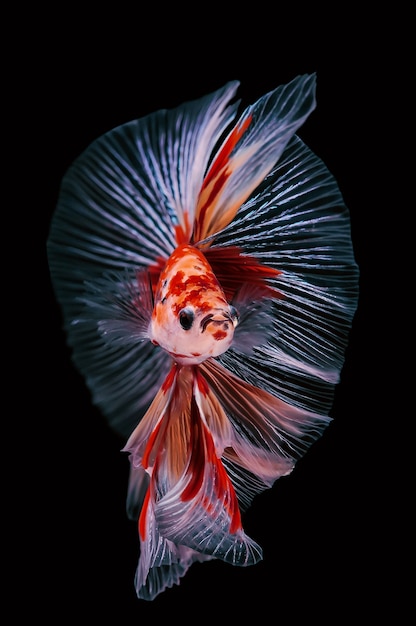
(191, 318)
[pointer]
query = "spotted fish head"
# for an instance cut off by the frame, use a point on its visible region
(191, 318)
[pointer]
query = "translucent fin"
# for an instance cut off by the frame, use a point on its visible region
(269, 435)
(146, 435)
(297, 223)
(122, 206)
(188, 506)
(122, 306)
(233, 269)
(123, 379)
(162, 563)
(122, 200)
(250, 151)
(255, 322)
(136, 492)
(201, 510)
(122, 368)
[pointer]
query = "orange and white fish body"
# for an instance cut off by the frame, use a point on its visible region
(191, 320)
(207, 279)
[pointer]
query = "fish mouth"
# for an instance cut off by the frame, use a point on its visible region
(218, 318)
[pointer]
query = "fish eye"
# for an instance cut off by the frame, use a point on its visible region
(234, 315)
(186, 318)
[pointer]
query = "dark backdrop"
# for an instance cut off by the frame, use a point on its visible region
(85, 77)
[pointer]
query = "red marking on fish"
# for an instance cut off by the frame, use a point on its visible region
(149, 446)
(202, 383)
(169, 380)
(143, 515)
(183, 232)
(196, 448)
(216, 178)
(223, 156)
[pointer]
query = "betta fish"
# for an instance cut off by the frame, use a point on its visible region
(202, 258)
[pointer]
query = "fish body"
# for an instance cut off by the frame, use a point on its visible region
(204, 265)
(191, 318)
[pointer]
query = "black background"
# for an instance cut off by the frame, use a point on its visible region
(85, 76)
